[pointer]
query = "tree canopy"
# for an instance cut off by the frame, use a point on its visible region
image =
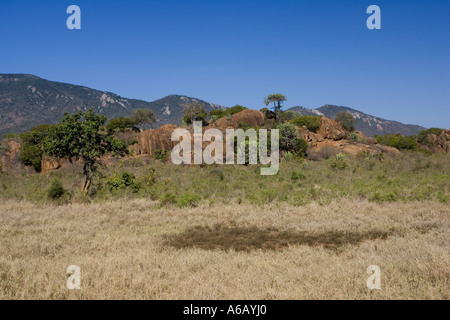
(347, 120)
(194, 111)
(82, 136)
(276, 99)
(121, 124)
(143, 117)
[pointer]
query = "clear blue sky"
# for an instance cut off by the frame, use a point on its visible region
(236, 52)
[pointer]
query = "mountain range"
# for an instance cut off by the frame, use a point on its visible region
(368, 124)
(27, 101)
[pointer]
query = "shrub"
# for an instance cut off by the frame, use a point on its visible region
(121, 124)
(288, 115)
(288, 156)
(301, 147)
(346, 119)
(270, 124)
(56, 190)
(161, 154)
(288, 137)
(167, 198)
(149, 177)
(383, 197)
(32, 151)
(31, 155)
(188, 199)
(245, 146)
(339, 161)
(310, 122)
(194, 111)
(354, 136)
(297, 176)
(237, 108)
(245, 126)
(122, 181)
(397, 141)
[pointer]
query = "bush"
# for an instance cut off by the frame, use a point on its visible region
(339, 161)
(56, 190)
(297, 176)
(383, 197)
(161, 154)
(237, 108)
(354, 136)
(148, 178)
(32, 151)
(310, 122)
(289, 156)
(288, 137)
(346, 119)
(397, 141)
(31, 155)
(188, 199)
(122, 181)
(121, 124)
(167, 199)
(219, 113)
(301, 147)
(288, 115)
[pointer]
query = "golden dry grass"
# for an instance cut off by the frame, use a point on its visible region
(134, 250)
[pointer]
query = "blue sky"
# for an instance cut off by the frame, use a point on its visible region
(236, 52)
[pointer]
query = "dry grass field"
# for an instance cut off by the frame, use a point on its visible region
(134, 249)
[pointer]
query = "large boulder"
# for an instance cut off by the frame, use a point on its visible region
(156, 139)
(438, 144)
(10, 158)
(248, 116)
(310, 137)
(329, 147)
(330, 129)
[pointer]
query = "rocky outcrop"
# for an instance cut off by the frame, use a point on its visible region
(156, 139)
(248, 116)
(10, 158)
(438, 144)
(309, 136)
(327, 148)
(330, 129)
(332, 138)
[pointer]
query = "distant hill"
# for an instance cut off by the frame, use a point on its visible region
(27, 101)
(369, 125)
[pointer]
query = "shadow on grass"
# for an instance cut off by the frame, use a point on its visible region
(246, 239)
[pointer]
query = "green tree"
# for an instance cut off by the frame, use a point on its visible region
(82, 136)
(310, 122)
(121, 124)
(347, 120)
(276, 99)
(32, 152)
(397, 141)
(235, 109)
(142, 117)
(194, 111)
(288, 115)
(290, 141)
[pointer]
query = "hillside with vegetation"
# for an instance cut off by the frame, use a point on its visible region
(27, 101)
